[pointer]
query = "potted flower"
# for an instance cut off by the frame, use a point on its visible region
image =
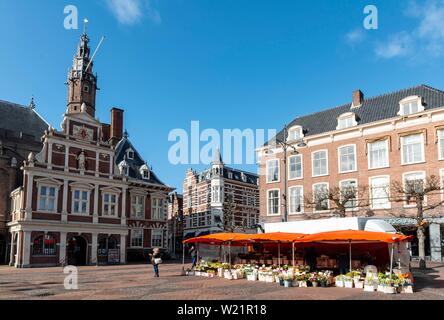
(302, 280)
(339, 281)
(313, 278)
(288, 281)
(348, 282)
(370, 283)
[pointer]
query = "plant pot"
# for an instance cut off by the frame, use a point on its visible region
(314, 284)
(302, 284)
(359, 284)
(407, 289)
(348, 284)
(380, 288)
(197, 273)
(281, 282)
(252, 277)
(340, 284)
(220, 272)
(288, 284)
(261, 277)
(269, 278)
(276, 279)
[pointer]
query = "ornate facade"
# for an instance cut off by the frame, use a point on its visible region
(87, 197)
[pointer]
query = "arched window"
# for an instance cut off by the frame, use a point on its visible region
(44, 245)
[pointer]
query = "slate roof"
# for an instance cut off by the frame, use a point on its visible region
(134, 164)
(373, 109)
(237, 175)
(21, 119)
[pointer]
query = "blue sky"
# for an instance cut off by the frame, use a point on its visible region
(227, 63)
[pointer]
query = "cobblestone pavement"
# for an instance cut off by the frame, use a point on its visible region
(136, 282)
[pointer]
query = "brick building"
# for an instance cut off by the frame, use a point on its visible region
(175, 223)
(21, 128)
(367, 143)
(209, 195)
(87, 197)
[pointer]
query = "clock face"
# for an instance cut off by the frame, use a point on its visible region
(83, 133)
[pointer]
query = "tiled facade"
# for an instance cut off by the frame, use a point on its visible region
(367, 156)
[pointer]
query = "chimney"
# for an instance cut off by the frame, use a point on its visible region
(358, 98)
(116, 125)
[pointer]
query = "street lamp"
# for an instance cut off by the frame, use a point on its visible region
(285, 146)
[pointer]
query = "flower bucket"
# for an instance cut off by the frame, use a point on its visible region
(348, 284)
(211, 275)
(380, 288)
(228, 275)
(370, 287)
(197, 273)
(288, 283)
(302, 284)
(407, 289)
(252, 277)
(340, 284)
(220, 272)
(315, 284)
(390, 290)
(281, 282)
(359, 284)
(261, 277)
(276, 279)
(204, 274)
(269, 278)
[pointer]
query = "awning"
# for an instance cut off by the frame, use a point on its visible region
(189, 235)
(355, 236)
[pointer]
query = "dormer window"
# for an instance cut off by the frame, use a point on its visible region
(410, 105)
(346, 120)
(295, 133)
(145, 172)
(130, 154)
(124, 168)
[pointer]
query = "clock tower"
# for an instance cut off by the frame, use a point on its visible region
(82, 83)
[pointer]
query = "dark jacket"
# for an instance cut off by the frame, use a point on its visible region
(154, 256)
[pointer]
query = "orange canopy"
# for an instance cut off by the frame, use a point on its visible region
(355, 235)
(241, 238)
(277, 236)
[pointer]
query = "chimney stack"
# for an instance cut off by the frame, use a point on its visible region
(116, 125)
(358, 98)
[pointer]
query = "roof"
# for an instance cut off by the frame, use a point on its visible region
(134, 164)
(373, 109)
(236, 175)
(21, 119)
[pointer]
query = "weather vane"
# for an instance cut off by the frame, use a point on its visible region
(85, 22)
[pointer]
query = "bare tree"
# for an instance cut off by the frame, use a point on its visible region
(229, 211)
(419, 194)
(338, 202)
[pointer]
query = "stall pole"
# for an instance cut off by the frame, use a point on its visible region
(183, 255)
(229, 253)
(350, 254)
(197, 251)
(391, 262)
(292, 253)
(220, 253)
(279, 254)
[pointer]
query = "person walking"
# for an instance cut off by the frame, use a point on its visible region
(193, 253)
(155, 261)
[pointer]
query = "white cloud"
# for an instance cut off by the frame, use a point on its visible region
(130, 12)
(354, 37)
(424, 40)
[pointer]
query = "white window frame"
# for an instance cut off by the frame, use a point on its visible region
(423, 173)
(409, 100)
(278, 168)
(116, 204)
(355, 158)
(326, 163)
(441, 177)
(289, 167)
(128, 154)
(422, 149)
(157, 232)
(347, 116)
(132, 238)
(133, 214)
(440, 144)
(295, 129)
(88, 195)
(356, 208)
(389, 205)
(48, 183)
(160, 216)
(314, 196)
(302, 200)
(279, 202)
(387, 154)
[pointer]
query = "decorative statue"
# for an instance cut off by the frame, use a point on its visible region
(81, 158)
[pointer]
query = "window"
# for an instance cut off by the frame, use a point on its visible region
(441, 144)
(347, 158)
(380, 192)
(320, 167)
(137, 206)
(320, 194)
(156, 238)
(274, 202)
(346, 120)
(157, 209)
(130, 154)
(146, 174)
(47, 198)
(410, 105)
(349, 193)
(295, 167)
(137, 238)
(216, 194)
(295, 133)
(412, 148)
(110, 205)
(296, 199)
(44, 245)
(273, 170)
(378, 154)
(413, 185)
(80, 202)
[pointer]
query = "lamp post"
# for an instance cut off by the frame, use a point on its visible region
(285, 146)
